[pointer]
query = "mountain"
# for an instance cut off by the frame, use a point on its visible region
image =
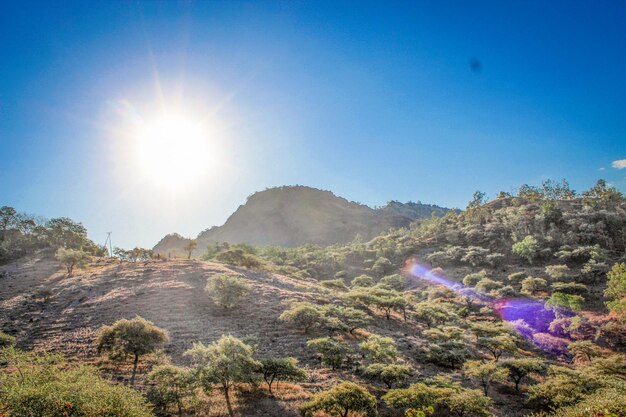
(296, 215)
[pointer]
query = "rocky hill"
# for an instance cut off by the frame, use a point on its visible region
(297, 215)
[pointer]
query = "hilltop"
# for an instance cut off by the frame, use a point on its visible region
(292, 216)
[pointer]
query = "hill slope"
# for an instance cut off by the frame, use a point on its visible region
(298, 215)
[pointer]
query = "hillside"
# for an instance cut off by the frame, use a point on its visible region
(295, 216)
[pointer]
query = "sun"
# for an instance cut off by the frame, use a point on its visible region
(174, 149)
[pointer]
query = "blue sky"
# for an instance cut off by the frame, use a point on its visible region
(372, 100)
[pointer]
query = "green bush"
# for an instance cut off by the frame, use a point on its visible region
(389, 374)
(45, 386)
(226, 290)
(345, 399)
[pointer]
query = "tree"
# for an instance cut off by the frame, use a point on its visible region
(381, 267)
(343, 400)
(522, 367)
(332, 351)
(379, 349)
(226, 362)
(433, 313)
(497, 345)
(6, 340)
(71, 258)
(136, 337)
(485, 373)
(283, 369)
(560, 303)
(350, 318)
(396, 282)
(304, 315)
(45, 385)
(388, 374)
(616, 291)
(66, 233)
(528, 248)
(172, 384)
(226, 290)
(190, 247)
(8, 215)
(584, 350)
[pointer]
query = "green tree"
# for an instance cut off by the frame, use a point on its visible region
(584, 350)
(498, 345)
(379, 349)
(332, 351)
(486, 373)
(433, 313)
(283, 369)
(528, 248)
(560, 303)
(304, 315)
(350, 318)
(190, 247)
(8, 217)
(136, 337)
(388, 374)
(522, 367)
(396, 282)
(171, 386)
(226, 362)
(66, 233)
(531, 285)
(225, 290)
(71, 258)
(616, 290)
(343, 400)
(382, 267)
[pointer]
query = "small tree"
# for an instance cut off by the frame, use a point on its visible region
(560, 303)
(522, 367)
(226, 290)
(396, 282)
(433, 313)
(71, 258)
(283, 369)
(382, 267)
(584, 350)
(172, 385)
(351, 318)
(304, 315)
(190, 247)
(497, 345)
(531, 285)
(388, 374)
(557, 272)
(332, 351)
(136, 337)
(379, 349)
(616, 291)
(485, 373)
(343, 400)
(226, 362)
(528, 248)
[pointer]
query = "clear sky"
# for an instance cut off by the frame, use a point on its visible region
(374, 101)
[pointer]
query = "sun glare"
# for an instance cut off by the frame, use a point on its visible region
(174, 150)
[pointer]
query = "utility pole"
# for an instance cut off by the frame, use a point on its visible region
(110, 245)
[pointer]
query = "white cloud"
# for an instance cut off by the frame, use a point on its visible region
(619, 164)
(601, 169)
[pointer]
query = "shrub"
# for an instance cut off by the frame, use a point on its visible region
(136, 337)
(560, 303)
(6, 340)
(304, 315)
(557, 272)
(487, 285)
(516, 277)
(283, 369)
(226, 290)
(450, 354)
(226, 362)
(388, 374)
(528, 248)
(498, 345)
(444, 334)
(334, 284)
(396, 282)
(379, 349)
(345, 399)
(333, 352)
(531, 286)
(570, 288)
(583, 350)
(362, 281)
(485, 373)
(382, 267)
(46, 386)
(71, 258)
(562, 387)
(473, 279)
(171, 386)
(433, 313)
(349, 318)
